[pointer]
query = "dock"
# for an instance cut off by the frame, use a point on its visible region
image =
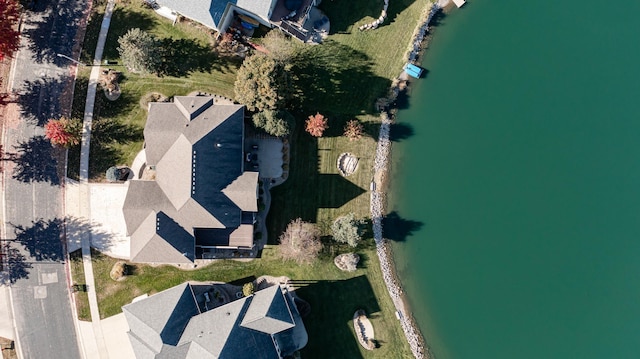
(459, 3)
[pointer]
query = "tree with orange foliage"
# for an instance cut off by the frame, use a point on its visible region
(316, 125)
(64, 132)
(353, 130)
(9, 35)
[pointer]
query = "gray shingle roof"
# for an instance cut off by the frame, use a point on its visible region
(268, 312)
(217, 333)
(161, 318)
(196, 149)
(240, 191)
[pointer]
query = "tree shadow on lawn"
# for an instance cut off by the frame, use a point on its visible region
(105, 135)
(35, 161)
(303, 195)
(39, 100)
(55, 32)
(107, 131)
(344, 15)
(329, 325)
(336, 79)
(182, 56)
(122, 20)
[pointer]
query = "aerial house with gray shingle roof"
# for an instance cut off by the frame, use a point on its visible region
(175, 324)
(195, 195)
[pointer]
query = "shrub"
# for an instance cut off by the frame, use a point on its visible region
(347, 229)
(248, 289)
(115, 174)
(347, 262)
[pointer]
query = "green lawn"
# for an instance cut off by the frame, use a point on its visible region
(386, 45)
(118, 125)
(333, 295)
(340, 79)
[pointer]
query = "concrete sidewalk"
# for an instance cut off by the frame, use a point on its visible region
(7, 329)
(93, 340)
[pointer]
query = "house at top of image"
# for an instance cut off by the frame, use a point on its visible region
(192, 195)
(299, 18)
(176, 323)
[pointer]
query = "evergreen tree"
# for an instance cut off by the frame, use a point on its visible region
(139, 51)
(276, 123)
(262, 83)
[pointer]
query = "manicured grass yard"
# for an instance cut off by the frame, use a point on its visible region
(340, 79)
(333, 295)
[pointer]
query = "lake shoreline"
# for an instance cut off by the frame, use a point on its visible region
(380, 185)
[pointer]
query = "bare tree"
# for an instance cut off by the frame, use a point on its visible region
(300, 242)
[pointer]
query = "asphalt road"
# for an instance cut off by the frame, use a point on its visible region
(33, 211)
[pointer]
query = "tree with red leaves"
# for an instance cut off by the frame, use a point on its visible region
(9, 35)
(64, 132)
(353, 130)
(316, 125)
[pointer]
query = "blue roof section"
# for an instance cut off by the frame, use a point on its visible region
(217, 8)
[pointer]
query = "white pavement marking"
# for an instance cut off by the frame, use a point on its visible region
(48, 278)
(40, 292)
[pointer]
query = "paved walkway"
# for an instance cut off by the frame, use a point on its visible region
(98, 344)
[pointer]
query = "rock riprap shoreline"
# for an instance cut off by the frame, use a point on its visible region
(409, 327)
(383, 151)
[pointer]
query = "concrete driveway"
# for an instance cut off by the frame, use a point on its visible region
(107, 225)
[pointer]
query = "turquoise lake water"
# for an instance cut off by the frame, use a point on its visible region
(517, 193)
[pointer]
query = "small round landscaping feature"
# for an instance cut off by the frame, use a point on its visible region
(119, 271)
(347, 262)
(347, 164)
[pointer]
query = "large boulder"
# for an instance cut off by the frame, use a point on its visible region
(347, 262)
